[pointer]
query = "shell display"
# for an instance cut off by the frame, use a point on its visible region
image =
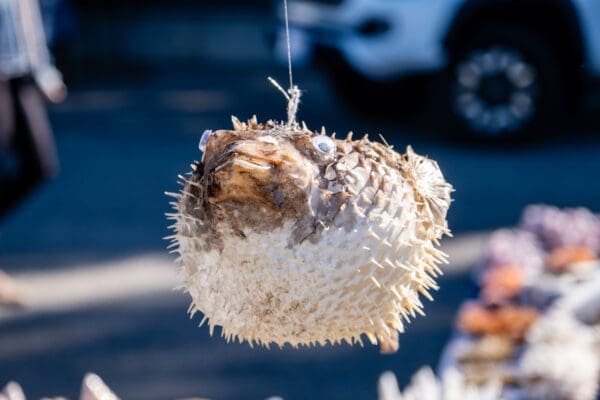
(535, 325)
(286, 235)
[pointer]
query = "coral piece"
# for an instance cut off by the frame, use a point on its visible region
(561, 360)
(12, 391)
(501, 284)
(514, 247)
(509, 320)
(290, 236)
(583, 301)
(560, 326)
(94, 388)
(568, 227)
(559, 372)
(425, 386)
(562, 257)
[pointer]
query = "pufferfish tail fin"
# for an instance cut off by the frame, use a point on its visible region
(431, 190)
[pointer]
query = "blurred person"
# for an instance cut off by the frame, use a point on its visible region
(27, 151)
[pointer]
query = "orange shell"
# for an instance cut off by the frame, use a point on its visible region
(501, 283)
(561, 257)
(512, 321)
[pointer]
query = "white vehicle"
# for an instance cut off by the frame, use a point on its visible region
(509, 67)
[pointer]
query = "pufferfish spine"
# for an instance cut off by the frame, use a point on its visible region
(285, 235)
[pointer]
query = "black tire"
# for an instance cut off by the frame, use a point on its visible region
(520, 112)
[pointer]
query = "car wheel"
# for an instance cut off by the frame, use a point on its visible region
(503, 83)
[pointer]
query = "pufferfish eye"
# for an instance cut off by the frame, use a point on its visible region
(323, 144)
(204, 139)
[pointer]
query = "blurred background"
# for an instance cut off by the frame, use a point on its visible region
(501, 93)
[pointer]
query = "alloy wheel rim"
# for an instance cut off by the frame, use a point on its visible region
(495, 91)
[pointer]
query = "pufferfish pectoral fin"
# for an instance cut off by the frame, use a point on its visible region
(390, 344)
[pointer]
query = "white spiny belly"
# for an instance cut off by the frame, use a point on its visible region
(349, 283)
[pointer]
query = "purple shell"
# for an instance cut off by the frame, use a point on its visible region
(515, 247)
(567, 227)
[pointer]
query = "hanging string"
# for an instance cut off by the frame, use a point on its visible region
(288, 41)
(292, 95)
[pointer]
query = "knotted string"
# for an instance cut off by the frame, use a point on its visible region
(293, 94)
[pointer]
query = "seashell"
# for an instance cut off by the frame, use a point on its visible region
(561, 258)
(561, 326)
(487, 348)
(480, 359)
(512, 321)
(583, 300)
(568, 227)
(304, 239)
(551, 371)
(501, 284)
(561, 360)
(514, 247)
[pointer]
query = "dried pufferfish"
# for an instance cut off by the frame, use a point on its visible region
(285, 235)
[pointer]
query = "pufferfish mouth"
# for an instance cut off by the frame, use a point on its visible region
(242, 161)
(257, 173)
(249, 156)
(245, 173)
